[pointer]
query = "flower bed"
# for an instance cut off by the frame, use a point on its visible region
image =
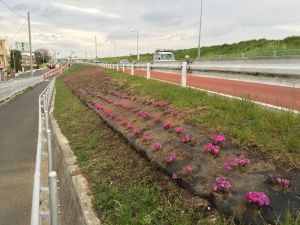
(160, 135)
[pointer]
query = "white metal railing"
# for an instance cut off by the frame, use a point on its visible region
(44, 103)
(9, 88)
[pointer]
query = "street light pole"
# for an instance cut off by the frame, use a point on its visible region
(115, 49)
(137, 45)
(199, 32)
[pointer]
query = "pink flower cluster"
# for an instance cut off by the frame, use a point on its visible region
(167, 125)
(186, 138)
(156, 146)
(174, 176)
(147, 101)
(188, 169)
(218, 138)
(161, 103)
(157, 118)
(211, 148)
(277, 178)
(259, 197)
(172, 112)
(237, 162)
(179, 129)
(171, 158)
(146, 115)
(136, 132)
(222, 184)
(146, 138)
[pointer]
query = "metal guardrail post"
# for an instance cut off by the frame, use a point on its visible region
(49, 148)
(123, 68)
(148, 71)
(274, 53)
(132, 70)
(183, 74)
(46, 119)
(53, 194)
(243, 55)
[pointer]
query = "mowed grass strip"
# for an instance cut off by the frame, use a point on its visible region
(126, 188)
(274, 135)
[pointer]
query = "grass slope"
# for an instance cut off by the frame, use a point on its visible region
(254, 45)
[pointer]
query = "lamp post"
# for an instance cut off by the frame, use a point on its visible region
(115, 49)
(102, 52)
(137, 45)
(199, 32)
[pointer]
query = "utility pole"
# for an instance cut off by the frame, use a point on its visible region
(96, 46)
(14, 61)
(200, 32)
(30, 44)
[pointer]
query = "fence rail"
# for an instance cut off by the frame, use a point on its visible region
(274, 53)
(9, 88)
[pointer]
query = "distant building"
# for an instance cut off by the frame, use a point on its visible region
(4, 53)
(22, 46)
(26, 61)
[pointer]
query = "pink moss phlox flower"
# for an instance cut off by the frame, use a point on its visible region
(237, 162)
(96, 106)
(140, 112)
(125, 96)
(156, 146)
(117, 118)
(167, 125)
(186, 138)
(156, 118)
(136, 131)
(277, 178)
(188, 169)
(130, 107)
(147, 101)
(129, 126)
(179, 129)
(171, 158)
(218, 138)
(146, 138)
(174, 176)
(111, 115)
(124, 122)
(222, 184)
(257, 197)
(146, 115)
(174, 112)
(167, 111)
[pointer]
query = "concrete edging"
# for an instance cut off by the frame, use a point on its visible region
(75, 203)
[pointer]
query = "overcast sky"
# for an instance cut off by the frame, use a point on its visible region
(71, 25)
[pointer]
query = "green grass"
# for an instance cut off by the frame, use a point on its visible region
(243, 121)
(122, 195)
(249, 46)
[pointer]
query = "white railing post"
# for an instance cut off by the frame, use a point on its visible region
(132, 70)
(117, 67)
(53, 195)
(113, 66)
(183, 74)
(49, 147)
(148, 70)
(123, 68)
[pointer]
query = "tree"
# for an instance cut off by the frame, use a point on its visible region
(15, 60)
(42, 55)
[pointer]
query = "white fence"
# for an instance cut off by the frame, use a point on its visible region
(9, 88)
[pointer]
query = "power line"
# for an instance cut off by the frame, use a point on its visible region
(12, 10)
(19, 30)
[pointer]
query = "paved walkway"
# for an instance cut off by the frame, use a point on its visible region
(18, 142)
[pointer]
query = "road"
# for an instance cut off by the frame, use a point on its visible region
(18, 143)
(281, 96)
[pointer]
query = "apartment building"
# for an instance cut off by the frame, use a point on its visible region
(4, 54)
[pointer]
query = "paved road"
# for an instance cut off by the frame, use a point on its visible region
(18, 141)
(282, 96)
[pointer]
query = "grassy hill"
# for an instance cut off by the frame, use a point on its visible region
(254, 45)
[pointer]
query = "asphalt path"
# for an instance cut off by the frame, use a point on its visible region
(271, 94)
(18, 142)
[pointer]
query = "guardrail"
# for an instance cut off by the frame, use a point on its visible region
(44, 103)
(274, 53)
(9, 88)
